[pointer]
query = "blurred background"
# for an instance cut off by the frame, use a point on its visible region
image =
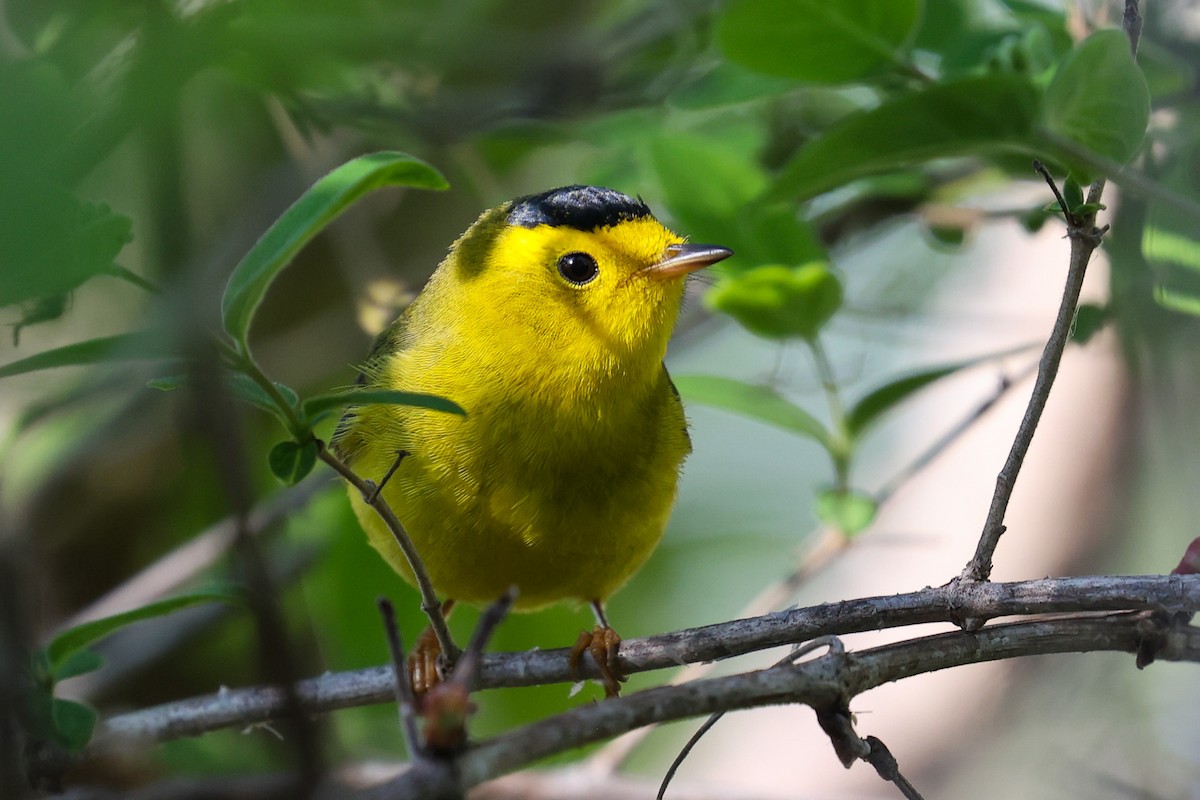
(146, 145)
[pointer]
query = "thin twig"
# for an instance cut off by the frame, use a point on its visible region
(404, 695)
(468, 666)
(1084, 240)
(885, 764)
(429, 599)
(387, 476)
(825, 641)
(946, 604)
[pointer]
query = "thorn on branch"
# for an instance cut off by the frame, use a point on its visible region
(387, 476)
(447, 705)
(404, 695)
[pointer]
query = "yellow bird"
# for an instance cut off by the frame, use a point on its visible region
(547, 322)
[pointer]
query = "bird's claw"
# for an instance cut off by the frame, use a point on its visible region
(604, 644)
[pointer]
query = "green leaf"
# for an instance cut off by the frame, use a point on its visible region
(72, 640)
(73, 723)
(850, 512)
(1072, 193)
(780, 302)
(727, 182)
(1099, 98)
(51, 242)
(968, 116)
(757, 402)
(122, 347)
(80, 662)
(313, 406)
(291, 462)
(816, 40)
(240, 385)
(728, 84)
(867, 411)
(1089, 320)
(307, 217)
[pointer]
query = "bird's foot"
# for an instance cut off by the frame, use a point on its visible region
(426, 664)
(604, 644)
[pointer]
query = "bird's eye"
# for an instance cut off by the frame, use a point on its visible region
(578, 268)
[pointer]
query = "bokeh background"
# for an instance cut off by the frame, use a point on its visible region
(172, 134)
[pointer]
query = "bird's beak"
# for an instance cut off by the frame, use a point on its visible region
(680, 259)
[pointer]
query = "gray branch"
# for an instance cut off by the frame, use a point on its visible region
(950, 604)
(822, 683)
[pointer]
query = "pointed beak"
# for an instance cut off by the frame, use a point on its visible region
(680, 259)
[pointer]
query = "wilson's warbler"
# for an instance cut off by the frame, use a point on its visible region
(547, 322)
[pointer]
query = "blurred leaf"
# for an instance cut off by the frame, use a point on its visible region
(699, 174)
(968, 116)
(1174, 298)
(774, 235)
(244, 388)
(240, 385)
(816, 41)
(122, 347)
(80, 662)
(1073, 193)
(307, 217)
(41, 309)
(1089, 320)
(51, 242)
(780, 302)
(291, 462)
(867, 411)
(70, 641)
(73, 723)
(951, 236)
(850, 511)
(757, 402)
(365, 397)
(1099, 98)
(727, 84)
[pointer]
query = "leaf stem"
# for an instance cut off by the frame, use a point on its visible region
(430, 603)
(837, 413)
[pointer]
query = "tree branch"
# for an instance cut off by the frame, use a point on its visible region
(820, 683)
(951, 603)
(1084, 240)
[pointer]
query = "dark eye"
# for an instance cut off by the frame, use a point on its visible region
(578, 268)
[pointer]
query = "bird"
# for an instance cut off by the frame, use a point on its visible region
(547, 323)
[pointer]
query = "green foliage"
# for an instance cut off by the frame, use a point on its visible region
(1090, 319)
(140, 345)
(307, 217)
(292, 461)
(848, 511)
(820, 42)
(66, 644)
(66, 722)
(876, 404)
(314, 407)
(977, 115)
(757, 402)
(780, 302)
(1098, 98)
